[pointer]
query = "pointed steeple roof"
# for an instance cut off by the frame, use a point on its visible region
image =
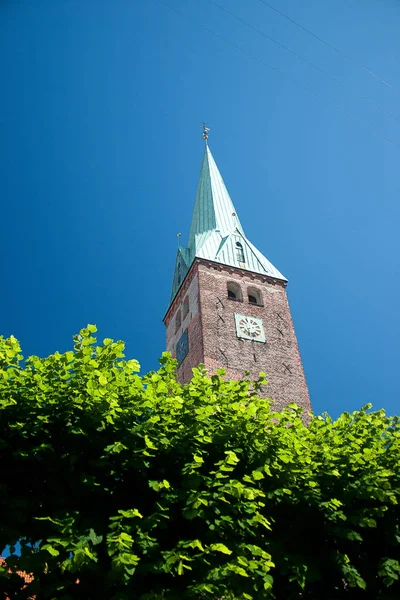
(213, 208)
(216, 232)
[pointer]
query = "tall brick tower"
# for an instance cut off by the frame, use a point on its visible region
(228, 305)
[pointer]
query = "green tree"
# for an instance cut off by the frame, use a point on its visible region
(140, 487)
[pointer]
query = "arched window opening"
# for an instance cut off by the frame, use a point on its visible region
(254, 296)
(185, 308)
(178, 321)
(239, 252)
(234, 291)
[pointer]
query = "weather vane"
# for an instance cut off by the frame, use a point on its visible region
(205, 132)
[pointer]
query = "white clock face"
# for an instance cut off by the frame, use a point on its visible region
(249, 328)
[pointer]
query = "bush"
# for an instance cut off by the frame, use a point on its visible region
(121, 486)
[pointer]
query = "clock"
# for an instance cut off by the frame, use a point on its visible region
(249, 328)
(182, 347)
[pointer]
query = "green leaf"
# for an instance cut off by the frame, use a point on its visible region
(90, 554)
(196, 544)
(69, 356)
(231, 458)
(129, 559)
(50, 549)
(368, 522)
(95, 539)
(133, 365)
(220, 548)
(131, 513)
(149, 443)
(240, 571)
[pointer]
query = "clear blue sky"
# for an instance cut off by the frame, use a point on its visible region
(100, 115)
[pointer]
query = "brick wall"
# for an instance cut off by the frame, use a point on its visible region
(212, 330)
(279, 356)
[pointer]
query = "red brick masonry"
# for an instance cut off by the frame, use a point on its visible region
(212, 331)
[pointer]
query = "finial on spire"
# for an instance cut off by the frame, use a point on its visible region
(205, 132)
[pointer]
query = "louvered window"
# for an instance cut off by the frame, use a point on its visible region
(239, 252)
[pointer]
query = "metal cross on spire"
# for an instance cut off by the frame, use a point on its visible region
(205, 132)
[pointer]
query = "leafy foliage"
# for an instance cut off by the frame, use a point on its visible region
(139, 487)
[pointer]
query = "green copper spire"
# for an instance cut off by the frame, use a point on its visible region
(216, 233)
(213, 208)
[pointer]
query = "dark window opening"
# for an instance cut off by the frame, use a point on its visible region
(185, 307)
(178, 321)
(234, 291)
(254, 296)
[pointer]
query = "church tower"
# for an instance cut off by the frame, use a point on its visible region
(228, 305)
